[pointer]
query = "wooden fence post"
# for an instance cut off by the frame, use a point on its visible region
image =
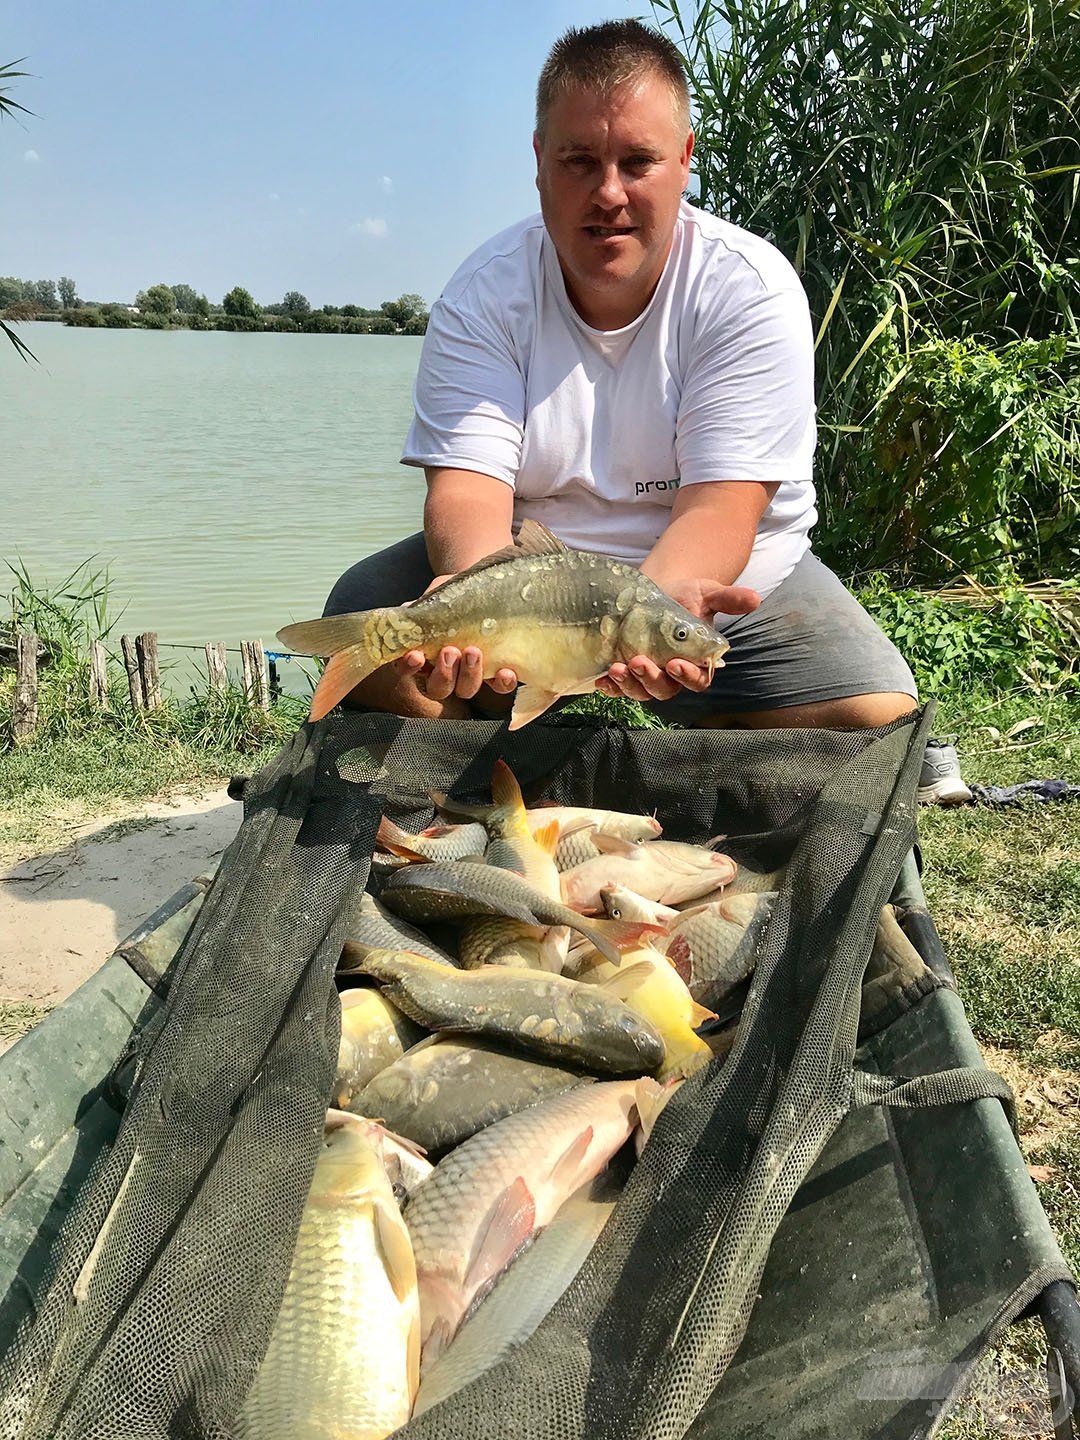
(24, 715)
(146, 650)
(256, 686)
(216, 667)
(131, 665)
(99, 676)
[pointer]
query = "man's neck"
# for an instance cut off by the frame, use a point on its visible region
(612, 308)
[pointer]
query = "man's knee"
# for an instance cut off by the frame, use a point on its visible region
(847, 712)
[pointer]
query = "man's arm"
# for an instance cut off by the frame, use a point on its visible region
(703, 548)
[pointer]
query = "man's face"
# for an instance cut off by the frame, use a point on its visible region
(611, 171)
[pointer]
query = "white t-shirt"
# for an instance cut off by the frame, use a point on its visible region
(596, 430)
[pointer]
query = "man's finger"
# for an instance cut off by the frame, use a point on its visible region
(607, 686)
(691, 676)
(444, 673)
(651, 678)
(412, 662)
(730, 600)
(470, 673)
(503, 681)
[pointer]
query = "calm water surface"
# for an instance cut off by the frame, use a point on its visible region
(226, 479)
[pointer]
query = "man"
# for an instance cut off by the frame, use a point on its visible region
(637, 375)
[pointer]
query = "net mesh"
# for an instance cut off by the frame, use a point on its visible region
(167, 1278)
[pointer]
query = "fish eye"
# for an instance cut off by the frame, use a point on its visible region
(616, 913)
(681, 632)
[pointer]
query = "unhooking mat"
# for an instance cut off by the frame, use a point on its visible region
(913, 1235)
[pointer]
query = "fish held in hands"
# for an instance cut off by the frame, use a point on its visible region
(547, 1014)
(344, 1354)
(449, 1087)
(558, 618)
(663, 870)
(488, 1197)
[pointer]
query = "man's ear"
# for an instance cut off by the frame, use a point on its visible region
(688, 150)
(536, 152)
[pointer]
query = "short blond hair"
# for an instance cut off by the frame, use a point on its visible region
(604, 57)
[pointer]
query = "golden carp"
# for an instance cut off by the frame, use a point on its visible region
(403, 1159)
(489, 1196)
(373, 1035)
(447, 1088)
(663, 870)
(558, 618)
(343, 1357)
(547, 1014)
(649, 984)
(575, 823)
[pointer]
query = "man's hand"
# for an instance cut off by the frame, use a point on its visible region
(643, 679)
(455, 672)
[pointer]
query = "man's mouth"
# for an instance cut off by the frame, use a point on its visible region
(605, 232)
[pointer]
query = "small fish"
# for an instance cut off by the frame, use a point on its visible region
(621, 903)
(547, 1014)
(650, 985)
(558, 618)
(373, 1035)
(663, 870)
(494, 940)
(575, 822)
(714, 947)
(343, 1357)
(506, 1317)
(514, 844)
(437, 843)
(488, 1197)
(449, 1087)
(453, 892)
(380, 928)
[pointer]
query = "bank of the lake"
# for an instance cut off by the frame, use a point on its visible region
(227, 479)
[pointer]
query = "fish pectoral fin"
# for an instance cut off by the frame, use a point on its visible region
(531, 701)
(699, 1015)
(564, 1173)
(547, 837)
(609, 844)
(680, 956)
(510, 1225)
(395, 1248)
(628, 978)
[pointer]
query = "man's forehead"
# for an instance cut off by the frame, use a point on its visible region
(639, 111)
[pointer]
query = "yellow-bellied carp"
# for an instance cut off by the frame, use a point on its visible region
(487, 1197)
(447, 1088)
(343, 1357)
(558, 618)
(374, 1033)
(546, 1014)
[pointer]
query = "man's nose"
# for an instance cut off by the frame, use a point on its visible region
(610, 193)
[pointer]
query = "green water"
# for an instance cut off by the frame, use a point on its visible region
(226, 479)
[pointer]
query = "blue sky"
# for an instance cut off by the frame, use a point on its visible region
(349, 150)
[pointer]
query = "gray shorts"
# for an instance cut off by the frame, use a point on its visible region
(809, 641)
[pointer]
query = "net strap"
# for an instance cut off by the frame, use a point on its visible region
(942, 1087)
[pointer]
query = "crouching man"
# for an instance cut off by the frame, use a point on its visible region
(638, 376)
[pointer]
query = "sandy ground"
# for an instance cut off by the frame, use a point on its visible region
(63, 913)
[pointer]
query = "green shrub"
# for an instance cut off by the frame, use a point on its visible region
(1016, 641)
(86, 316)
(117, 317)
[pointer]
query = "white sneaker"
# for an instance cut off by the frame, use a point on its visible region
(940, 782)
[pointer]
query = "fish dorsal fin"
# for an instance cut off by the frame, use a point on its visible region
(564, 1173)
(532, 539)
(547, 837)
(609, 844)
(510, 1224)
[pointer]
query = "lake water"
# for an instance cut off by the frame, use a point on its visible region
(227, 480)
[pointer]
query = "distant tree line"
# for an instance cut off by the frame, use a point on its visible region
(168, 307)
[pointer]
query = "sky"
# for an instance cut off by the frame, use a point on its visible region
(346, 149)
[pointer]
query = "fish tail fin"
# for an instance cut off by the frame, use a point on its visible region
(505, 790)
(392, 838)
(684, 1057)
(355, 644)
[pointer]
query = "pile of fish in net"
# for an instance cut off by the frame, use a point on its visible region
(517, 1004)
